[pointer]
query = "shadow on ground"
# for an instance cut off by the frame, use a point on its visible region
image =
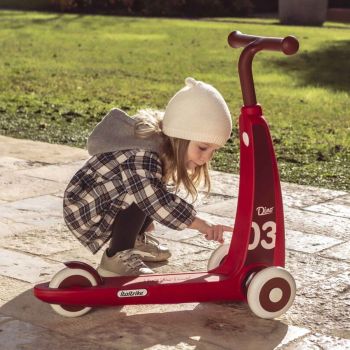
(195, 326)
(16, 20)
(328, 67)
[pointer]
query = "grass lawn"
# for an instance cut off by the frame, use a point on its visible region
(61, 73)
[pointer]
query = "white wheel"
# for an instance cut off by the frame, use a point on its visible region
(68, 278)
(218, 256)
(271, 292)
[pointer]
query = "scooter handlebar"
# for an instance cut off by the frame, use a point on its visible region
(288, 45)
(253, 44)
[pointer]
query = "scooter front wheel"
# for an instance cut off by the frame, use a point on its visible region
(67, 278)
(271, 292)
(218, 256)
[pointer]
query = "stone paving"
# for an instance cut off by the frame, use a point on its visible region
(35, 242)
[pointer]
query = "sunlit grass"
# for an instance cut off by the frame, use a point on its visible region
(61, 73)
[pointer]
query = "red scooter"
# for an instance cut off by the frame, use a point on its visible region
(250, 268)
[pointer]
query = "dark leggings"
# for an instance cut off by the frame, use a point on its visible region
(129, 223)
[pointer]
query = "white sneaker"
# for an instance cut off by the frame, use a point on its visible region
(124, 263)
(150, 249)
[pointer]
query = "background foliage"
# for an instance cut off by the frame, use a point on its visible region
(60, 73)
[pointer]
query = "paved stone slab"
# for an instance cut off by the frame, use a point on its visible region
(226, 208)
(4, 318)
(59, 194)
(319, 341)
(17, 334)
(2, 302)
(11, 229)
(310, 269)
(209, 325)
(15, 187)
(301, 196)
(336, 207)
(11, 163)
(308, 243)
(58, 173)
(163, 232)
(221, 326)
(41, 212)
(224, 183)
(204, 326)
(78, 252)
(185, 258)
(345, 200)
(204, 200)
(105, 327)
(47, 204)
(313, 222)
(10, 288)
(324, 306)
(25, 267)
(39, 151)
(200, 241)
(33, 220)
(341, 252)
(239, 310)
(42, 242)
(27, 308)
(135, 332)
(293, 195)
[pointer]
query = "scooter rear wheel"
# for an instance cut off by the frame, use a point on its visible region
(218, 256)
(67, 278)
(271, 292)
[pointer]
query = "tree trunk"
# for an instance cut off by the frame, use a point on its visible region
(303, 12)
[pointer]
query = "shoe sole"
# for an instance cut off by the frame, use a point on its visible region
(148, 258)
(105, 273)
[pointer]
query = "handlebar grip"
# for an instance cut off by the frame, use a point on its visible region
(288, 45)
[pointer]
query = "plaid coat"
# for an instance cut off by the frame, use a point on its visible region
(110, 182)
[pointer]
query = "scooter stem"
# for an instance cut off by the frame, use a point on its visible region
(253, 44)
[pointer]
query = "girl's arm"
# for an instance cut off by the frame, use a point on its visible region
(211, 231)
(142, 180)
(142, 177)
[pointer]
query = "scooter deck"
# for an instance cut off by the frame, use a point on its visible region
(148, 289)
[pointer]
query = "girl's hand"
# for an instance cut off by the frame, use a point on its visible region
(216, 232)
(211, 231)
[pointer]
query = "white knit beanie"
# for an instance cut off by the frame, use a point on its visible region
(198, 112)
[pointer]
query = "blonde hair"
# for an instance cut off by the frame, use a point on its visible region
(149, 123)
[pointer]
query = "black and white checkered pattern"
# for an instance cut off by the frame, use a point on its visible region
(110, 182)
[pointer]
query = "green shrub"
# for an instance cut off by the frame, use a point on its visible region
(171, 8)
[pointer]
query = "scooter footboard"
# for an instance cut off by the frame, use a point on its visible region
(153, 289)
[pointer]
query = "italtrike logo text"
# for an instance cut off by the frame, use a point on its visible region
(127, 293)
